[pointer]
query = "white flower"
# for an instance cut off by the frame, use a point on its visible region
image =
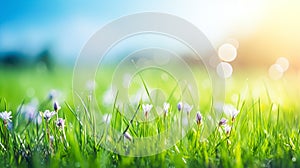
(187, 108)
(223, 121)
(56, 106)
(127, 136)
(60, 123)
(231, 111)
(227, 129)
(6, 116)
(147, 108)
(30, 111)
(48, 115)
(166, 108)
(179, 106)
(198, 118)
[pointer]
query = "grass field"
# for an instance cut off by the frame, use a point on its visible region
(265, 132)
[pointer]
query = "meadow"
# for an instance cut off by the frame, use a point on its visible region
(259, 126)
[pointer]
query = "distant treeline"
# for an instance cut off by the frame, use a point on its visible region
(16, 59)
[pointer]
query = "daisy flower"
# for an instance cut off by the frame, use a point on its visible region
(48, 115)
(6, 116)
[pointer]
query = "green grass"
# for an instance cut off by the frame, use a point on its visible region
(264, 134)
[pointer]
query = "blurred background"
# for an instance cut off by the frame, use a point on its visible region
(55, 31)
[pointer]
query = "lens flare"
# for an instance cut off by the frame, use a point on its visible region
(227, 52)
(224, 70)
(276, 71)
(283, 63)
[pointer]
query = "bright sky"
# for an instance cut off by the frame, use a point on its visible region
(65, 26)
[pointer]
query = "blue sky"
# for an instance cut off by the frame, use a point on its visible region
(65, 26)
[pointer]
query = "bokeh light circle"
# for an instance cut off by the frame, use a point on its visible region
(227, 52)
(276, 72)
(224, 70)
(283, 63)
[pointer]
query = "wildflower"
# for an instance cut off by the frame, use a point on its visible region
(227, 129)
(166, 108)
(127, 136)
(52, 94)
(6, 116)
(223, 121)
(147, 108)
(179, 106)
(48, 115)
(187, 108)
(60, 123)
(56, 106)
(198, 118)
(230, 111)
(30, 111)
(234, 115)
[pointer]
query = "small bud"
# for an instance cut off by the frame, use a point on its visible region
(227, 129)
(223, 121)
(234, 114)
(127, 136)
(166, 108)
(179, 106)
(56, 106)
(198, 118)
